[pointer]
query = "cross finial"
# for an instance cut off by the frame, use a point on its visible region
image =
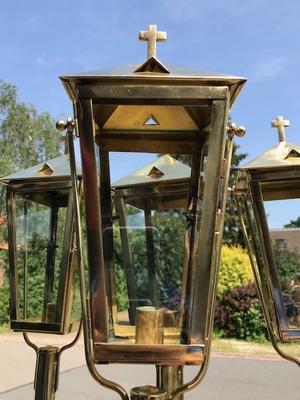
(280, 124)
(152, 36)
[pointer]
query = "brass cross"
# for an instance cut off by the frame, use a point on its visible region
(152, 36)
(280, 124)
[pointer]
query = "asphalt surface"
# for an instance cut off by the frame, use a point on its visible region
(228, 377)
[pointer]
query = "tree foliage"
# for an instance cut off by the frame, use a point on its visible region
(26, 138)
(294, 223)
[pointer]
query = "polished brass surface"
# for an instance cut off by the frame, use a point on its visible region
(45, 382)
(163, 110)
(149, 325)
(233, 129)
(169, 378)
(148, 393)
(152, 36)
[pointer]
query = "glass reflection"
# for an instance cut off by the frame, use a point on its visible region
(285, 243)
(145, 252)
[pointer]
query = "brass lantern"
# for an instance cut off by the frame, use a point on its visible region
(40, 217)
(153, 237)
(273, 177)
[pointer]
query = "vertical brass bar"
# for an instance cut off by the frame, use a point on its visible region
(210, 234)
(107, 229)
(190, 246)
(50, 263)
(268, 254)
(130, 282)
(66, 267)
(169, 378)
(152, 274)
(25, 273)
(12, 254)
(46, 373)
(98, 298)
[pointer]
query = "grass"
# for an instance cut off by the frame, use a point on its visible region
(239, 347)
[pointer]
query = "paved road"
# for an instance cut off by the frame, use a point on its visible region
(228, 378)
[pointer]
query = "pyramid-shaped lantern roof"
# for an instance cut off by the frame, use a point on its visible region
(152, 83)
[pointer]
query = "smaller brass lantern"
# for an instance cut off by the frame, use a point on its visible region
(40, 217)
(143, 200)
(273, 176)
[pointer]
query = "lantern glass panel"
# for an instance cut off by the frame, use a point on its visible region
(146, 248)
(286, 249)
(40, 225)
(276, 266)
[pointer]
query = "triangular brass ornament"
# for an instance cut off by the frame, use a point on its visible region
(46, 169)
(293, 154)
(152, 65)
(155, 173)
(151, 121)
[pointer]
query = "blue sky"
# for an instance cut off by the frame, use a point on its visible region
(257, 39)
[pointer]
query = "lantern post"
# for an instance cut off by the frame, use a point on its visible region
(42, 262)
(154, 236)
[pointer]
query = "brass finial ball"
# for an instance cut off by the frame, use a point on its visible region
(62, 125)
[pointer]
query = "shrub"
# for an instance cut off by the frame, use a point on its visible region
(235, 269)
(239, 315)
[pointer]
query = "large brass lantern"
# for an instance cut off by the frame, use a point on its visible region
(273, 177)
(153, 236)
(40, 221)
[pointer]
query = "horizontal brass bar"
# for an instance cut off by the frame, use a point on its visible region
(151, 142)
(141, 92)
(158, 354)
(36, 327)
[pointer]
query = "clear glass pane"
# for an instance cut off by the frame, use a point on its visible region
(148, 234)
(284, 227)
(39, 240)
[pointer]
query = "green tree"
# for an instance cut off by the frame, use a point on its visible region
(26, 138)
(294, 223)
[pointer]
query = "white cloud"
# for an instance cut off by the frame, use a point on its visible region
(269, 68)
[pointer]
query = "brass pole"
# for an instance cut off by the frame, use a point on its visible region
(46, 373)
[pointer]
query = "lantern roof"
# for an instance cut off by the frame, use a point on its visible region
(56, 168)
(283, 154)
(163, 169)
(153, 71)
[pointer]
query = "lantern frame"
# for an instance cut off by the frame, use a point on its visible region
(275, 175)
(211, 96)
(47, 184)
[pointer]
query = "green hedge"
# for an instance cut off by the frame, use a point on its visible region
(235, 269)
(239, 315)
